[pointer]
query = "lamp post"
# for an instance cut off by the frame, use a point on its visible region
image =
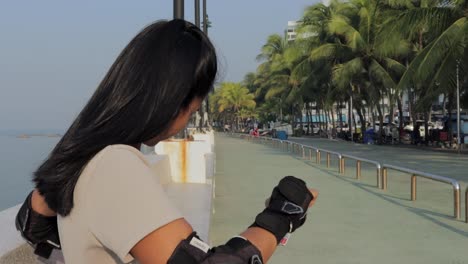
(179, 14)
(351, 114)
(197, 13)
(458, 109)
(205, 29)
(205, 18)
(178, 9)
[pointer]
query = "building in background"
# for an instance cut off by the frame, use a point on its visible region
(291, 32)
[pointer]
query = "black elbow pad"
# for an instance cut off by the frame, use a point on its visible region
(39, 231)
(236, 251)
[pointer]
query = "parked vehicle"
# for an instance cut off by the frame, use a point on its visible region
(422, 129)
(314, 129)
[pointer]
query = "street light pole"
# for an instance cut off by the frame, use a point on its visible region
(351, 114)
(178, 9)
(205, 29)
(205, 18)
(458, 110)
(197, 13)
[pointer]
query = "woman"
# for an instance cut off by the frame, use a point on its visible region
(110, 206)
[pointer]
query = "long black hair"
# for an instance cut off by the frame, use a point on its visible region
(158, 74)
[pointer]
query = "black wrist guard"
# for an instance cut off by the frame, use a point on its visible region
(38, 230)
(194, 251)
(287, 208)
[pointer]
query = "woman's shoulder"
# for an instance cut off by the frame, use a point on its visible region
(114, 162)
(120, 153)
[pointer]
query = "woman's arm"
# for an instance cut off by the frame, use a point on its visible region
(37, 223)
(161, 244)
(39, 204)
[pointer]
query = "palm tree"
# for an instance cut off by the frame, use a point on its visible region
(275, 74)
(234, 100)
(364, 68)
(435, 65)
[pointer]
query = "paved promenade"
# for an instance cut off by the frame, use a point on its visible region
(352, 221)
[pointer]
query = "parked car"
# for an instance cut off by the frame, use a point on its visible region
(342, 128)
(314, 128)
(422, 129)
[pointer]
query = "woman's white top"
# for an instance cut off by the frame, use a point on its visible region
(118, 201)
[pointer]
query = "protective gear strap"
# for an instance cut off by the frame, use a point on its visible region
(287, 209)
(237, 250)
(38, 230)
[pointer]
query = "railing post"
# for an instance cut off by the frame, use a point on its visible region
(303, 152)
(339, 163)
(456, 202)
(318, 158)
(384, 179)
(343, 165)
(358, 169)
(310, 154)
(466, 205)
(413, 187)
(379, 175)
(328, 159)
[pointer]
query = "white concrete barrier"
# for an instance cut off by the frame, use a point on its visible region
(9, 236)
(161, 166)
(187, 158)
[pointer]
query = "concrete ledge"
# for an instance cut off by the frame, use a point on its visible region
(10, 237)
(194, 200)
(13, 248)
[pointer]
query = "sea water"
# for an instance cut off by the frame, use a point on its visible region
(19, 158)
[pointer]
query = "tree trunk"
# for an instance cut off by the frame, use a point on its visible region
(333, 120)
(427, 114)
(391, 110)
(449, 122)
(400, 117)
(340, 111)
(327, 115)
(317, 115)
(412, 106)
(350, 116)
(355, 124)
(362, 119)
(443, 104)
(381, 117)
(373, 116)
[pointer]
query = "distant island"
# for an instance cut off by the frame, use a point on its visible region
(38, 135)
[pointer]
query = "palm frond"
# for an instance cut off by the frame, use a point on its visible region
(343, 74)
(379, 73)
(340, 26)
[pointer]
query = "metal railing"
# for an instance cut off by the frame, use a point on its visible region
(359, 162)
(381, 169)
(415, 174)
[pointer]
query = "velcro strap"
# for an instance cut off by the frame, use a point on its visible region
(276, 223)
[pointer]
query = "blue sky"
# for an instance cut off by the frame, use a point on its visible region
(54, 53)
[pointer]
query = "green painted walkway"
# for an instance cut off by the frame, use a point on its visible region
(352, 221)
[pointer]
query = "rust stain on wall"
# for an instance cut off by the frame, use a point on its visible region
(183, 160)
